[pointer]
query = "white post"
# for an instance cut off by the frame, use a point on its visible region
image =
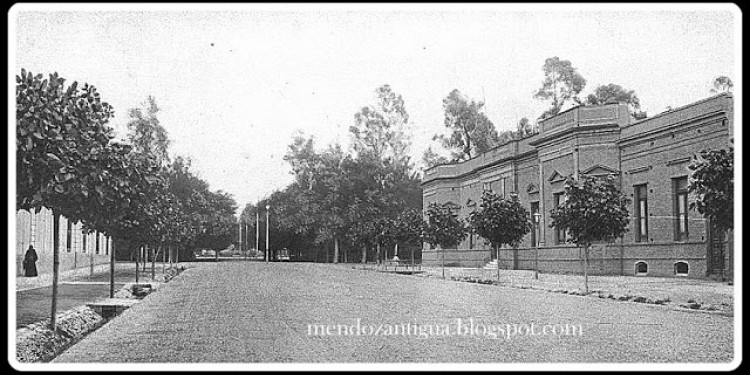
(268, 224)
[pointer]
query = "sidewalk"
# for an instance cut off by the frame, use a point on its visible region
(681, 293)
(26, 283)
(697, 294)
(75, 288)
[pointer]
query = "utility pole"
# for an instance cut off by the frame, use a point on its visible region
(268, 223)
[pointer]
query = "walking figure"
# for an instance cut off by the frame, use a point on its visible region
(29, 262)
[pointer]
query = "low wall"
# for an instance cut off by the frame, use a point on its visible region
(612, 259)
(604, 259)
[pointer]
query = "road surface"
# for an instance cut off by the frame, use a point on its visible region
(258, 312)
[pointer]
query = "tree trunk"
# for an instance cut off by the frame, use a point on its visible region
(145, 257)
(55, 267)
(112, 269)
(377, 253)
(335, 250)
(164, 259)
(364, 254)
(442, 260)
(412, 258)
(138, 263)
(153, 264)
(497, 255)
(586, 269)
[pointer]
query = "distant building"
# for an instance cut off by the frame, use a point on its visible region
(649, 158)
(77, 249)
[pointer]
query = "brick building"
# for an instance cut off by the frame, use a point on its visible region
(649, 157)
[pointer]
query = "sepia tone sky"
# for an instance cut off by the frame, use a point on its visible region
(234, 82)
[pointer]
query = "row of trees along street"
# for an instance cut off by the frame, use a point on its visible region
(357, 203)
(68, 161)
(360, 204)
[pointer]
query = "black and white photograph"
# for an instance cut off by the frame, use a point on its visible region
(374, 186)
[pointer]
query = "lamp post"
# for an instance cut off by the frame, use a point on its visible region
(268, 223)
(537, 215)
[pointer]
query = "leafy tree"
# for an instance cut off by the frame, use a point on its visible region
(379, 129)
(712, 182)
(524, 128)
(472, 133)
(722, 84)
(58, 132)
(430, 158)
(443, 227)
(611, 93)
(362, 234)
(408, 228)
(561, 84)
(146, 133)
(501, 221)
(594, 210)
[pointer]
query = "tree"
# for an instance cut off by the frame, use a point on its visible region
(59, 132)
(443, 227)
(146, 133)
(430, 158)
(611, 93)
(408, 228)
(524, 128)
(722, 84)
(472, 133)
(380, 129)
(501, 221)
(562, 83)
(594, 210)
(712, 182)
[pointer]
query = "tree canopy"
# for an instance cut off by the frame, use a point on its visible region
(472, 132)
(562, 83)
(501, 221)
(712, 182)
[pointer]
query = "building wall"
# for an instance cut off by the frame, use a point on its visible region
(37, 229)
(600, 140)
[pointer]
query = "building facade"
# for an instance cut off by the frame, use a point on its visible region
(649, 157)
(77, 249)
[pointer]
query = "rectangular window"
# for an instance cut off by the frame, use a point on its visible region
(560, 236)
(534, 235)
(680, 186)
(641, 213)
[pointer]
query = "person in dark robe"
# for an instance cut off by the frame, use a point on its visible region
(29, 262)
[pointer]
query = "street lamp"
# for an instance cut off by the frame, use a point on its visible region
(537, 216)
(268, 223)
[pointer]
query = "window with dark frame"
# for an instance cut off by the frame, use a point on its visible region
(641, 213)
(560, 237)
(680, 187)
(534, 235)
